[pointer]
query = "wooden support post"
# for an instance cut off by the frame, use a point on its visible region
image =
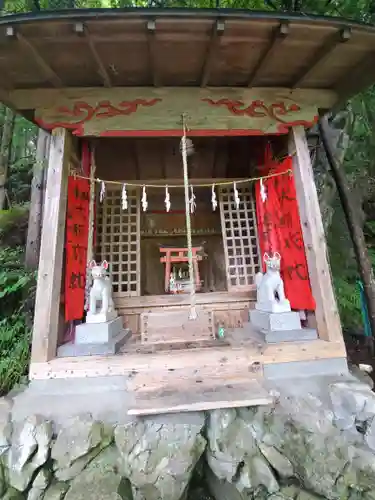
(327, 317)
(46, 319)
(36, 202)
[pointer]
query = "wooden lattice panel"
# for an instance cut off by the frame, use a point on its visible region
(118, 239)
(240, 237)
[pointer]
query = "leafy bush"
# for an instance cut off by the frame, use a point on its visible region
(17, 289)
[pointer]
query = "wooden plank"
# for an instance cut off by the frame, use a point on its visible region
(327, 316)
(157, 111)
(174, 326)
(213, 45)
(127, 364)
(41, 62)
(46, 319)
(210, 398)
(278, 36)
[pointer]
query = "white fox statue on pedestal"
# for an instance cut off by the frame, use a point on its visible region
(270, 287)
(101, 290)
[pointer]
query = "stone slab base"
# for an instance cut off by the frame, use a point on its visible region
(304, 334)
(98, 333)
(94, 349)
(268, 322)
(301, 369)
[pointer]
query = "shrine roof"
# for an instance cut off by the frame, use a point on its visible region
(183, 47)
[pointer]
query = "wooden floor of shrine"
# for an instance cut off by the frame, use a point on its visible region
(192, 375)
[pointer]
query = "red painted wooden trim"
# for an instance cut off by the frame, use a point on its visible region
(282, 128)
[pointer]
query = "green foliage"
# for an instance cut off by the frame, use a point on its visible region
(17, 287)
(14, 351)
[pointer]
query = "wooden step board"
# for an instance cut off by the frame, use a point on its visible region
(175, 326)
(204, 387)
(173, 400)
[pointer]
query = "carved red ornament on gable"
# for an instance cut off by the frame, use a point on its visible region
(82, 112)
(258, 109)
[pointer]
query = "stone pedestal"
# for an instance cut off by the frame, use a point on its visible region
(96, 339)
(281, 326)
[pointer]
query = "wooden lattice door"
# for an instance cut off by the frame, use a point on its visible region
(118, 240)
(240, 237)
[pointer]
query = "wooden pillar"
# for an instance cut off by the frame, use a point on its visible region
(47, 305)
(327, 317)
(36, 201)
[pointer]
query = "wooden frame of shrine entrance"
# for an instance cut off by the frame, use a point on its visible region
(61, 154)
(194, 62)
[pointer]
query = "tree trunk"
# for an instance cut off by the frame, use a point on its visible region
(354, 224)
(34, 229)
(6, 141)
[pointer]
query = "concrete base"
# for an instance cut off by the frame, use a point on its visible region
(299, 335)
(267, 322)
(303, 369)
(98, 333)
(94, 349)
(101, 317)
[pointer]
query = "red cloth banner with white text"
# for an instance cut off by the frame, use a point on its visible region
(76, 247)
(76, 240)
(279, 230)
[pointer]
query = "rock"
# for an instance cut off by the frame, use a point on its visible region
(289, 492)
(12, 494)
(261, 475)
(40, 484)
(29, 451)
(159, 454)
(5, 424)
(305, 495)
(229, 440)
(370, 435)
(100, 480)
(77, 444)
(56, 491)
(280, 463)
(362, 376)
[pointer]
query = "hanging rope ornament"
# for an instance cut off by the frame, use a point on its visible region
(192, 203)
(102, 191)
(213, 198)
(124, 198)
(144, 199)
(237, 200)
(263, 191)
(167, 200)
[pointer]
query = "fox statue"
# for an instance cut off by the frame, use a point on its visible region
(101, 289)
(270, 286)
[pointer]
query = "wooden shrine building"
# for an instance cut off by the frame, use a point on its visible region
(112, 91)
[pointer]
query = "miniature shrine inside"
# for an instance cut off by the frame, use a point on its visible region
(182, 166)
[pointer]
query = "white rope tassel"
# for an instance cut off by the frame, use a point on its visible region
(213, 198)
(167, 200)
(263, 191)
(144, 199)
(193, 311)
(237, 200)
(124, 198)
(192, 203)
(102, 191)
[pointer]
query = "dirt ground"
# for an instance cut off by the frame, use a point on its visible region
(359, 351)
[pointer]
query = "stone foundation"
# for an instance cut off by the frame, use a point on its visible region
(316, 441)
